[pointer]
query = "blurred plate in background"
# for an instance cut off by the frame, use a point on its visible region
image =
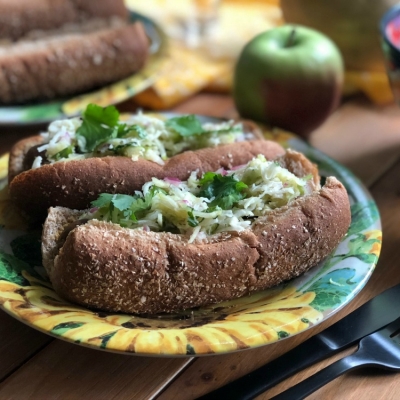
(39, 113)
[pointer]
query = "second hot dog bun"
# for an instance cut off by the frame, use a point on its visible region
(74, 184)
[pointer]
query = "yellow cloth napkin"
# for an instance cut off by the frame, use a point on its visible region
(189, 69)
(375, 85)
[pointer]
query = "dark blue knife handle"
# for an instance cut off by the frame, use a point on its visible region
(251, 385)
(303, 389)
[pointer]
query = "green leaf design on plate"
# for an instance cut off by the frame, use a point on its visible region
(367, 258)
(190, 350)
(106, 338)
(361, 247)
(10, 269)
(363, 215)
(27, 248)
(64, 327)
(332, 289)
(282, 334)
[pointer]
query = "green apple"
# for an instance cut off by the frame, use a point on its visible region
(290, 77)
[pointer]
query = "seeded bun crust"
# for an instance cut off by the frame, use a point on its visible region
(74, 184)
(104, 266)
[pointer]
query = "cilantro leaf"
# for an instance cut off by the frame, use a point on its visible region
(103, 200)
(186, 125)
(115, 204)
(224, 191)
(140, 205)
(99, 124)
(122, 208)
(124, 129)
(122, 201)
(64, 153)
(192, 221)
(208, 177)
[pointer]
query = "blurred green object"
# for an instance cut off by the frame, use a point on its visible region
(352, 24)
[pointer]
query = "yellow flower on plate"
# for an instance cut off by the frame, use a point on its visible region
(375, 235)
(251, 321)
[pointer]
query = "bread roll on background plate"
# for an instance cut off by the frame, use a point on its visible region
(51, 49)
(19, 17)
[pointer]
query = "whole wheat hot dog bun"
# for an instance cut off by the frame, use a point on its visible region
(56, 48)
(75, 184)
(69, 61)
(104, 266)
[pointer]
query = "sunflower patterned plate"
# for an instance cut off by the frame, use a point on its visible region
(262, 318)
(39, 113)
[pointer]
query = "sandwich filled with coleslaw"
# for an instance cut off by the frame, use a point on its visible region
(215, 236)
(78, 158)
(100, 133)
(216, 202)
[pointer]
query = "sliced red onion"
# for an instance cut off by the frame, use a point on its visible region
(241, 137)
(172, 181)
(66, 135)
(237, 167)
(221, 171)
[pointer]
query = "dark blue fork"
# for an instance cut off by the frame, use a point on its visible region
(380, 349)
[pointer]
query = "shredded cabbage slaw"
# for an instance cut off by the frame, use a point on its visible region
(199, 207)
(147, 137)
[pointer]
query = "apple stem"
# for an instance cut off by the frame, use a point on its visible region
(291, 38)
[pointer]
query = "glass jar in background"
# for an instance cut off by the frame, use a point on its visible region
(200, 21)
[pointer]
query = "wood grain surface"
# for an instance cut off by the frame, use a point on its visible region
(17, 348)
(364, 137)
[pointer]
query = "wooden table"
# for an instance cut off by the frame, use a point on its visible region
(364, 137)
